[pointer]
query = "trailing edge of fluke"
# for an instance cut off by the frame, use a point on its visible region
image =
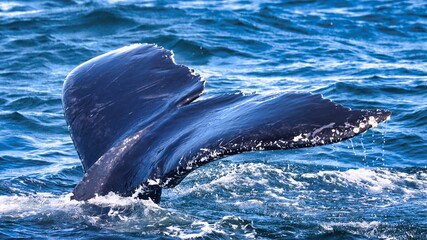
(135, 124)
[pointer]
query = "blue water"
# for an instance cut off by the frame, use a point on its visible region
(362, 54)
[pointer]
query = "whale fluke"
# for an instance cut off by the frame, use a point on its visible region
(135, 124)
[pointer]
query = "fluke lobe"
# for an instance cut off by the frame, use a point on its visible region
(135, 124)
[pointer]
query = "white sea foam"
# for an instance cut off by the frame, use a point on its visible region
(39, 203)
(120, 214)
(47, 203)
(375, 180)
(19, 13)
(204, 229)
(7, 6)
(239, 177)
(354, 227)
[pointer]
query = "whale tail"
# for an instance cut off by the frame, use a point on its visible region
(135, 124)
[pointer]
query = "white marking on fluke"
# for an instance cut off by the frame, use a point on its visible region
(153, 182)
(356, 130)
(297, 138)
(373, 122)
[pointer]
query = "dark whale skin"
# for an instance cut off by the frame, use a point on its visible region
(135, 124)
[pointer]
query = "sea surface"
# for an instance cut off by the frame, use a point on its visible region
(362, 54)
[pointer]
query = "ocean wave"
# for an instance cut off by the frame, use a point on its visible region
(129, 215)
(31, 102)
(33, 121)
(268, 184)
(9, 6)
(376, 180)
(30, 41)
(371, 229)
(118, 214)
(104, 21)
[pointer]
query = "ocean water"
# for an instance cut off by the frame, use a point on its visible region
(362, 54)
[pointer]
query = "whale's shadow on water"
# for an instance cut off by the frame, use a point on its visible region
(137, 129)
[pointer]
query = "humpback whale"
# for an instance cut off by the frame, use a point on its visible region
(138, 128)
